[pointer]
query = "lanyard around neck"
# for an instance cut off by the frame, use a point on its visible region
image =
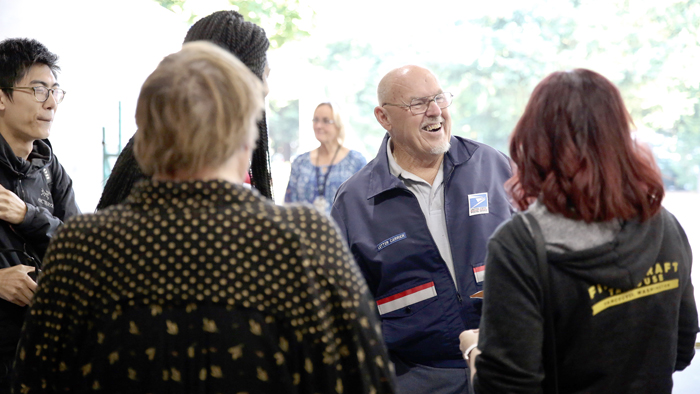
(321, 186)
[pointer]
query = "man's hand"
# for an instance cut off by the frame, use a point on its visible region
(16, 286)
(12, 208)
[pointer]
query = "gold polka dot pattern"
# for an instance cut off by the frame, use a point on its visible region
(201, 287)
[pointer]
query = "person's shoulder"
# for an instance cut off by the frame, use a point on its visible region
(470, 151)
(302, 158)
(668, 216)
(56, 168)
(85, 230)
(295, 210)
(512, 230)
(476, 146)
(356, 155)
(668, 220)
(357, 181)
(54, 172)
(356, 159)
(108, 218)
(300, 219)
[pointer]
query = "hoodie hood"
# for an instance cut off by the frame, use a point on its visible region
(621, 263)
(40, 156)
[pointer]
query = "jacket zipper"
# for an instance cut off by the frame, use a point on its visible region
(444, 190)
(21, 193)
(454, 281)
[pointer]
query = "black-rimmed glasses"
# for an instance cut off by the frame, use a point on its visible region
(420, 105)
(41, 93)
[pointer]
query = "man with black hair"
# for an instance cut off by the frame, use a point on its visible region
(36, 194)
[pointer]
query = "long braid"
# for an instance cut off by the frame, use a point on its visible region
(260, 175)
(248, 42)
(125, 173)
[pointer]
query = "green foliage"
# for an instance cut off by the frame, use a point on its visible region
(280, 18)
(172, 5)
(339, 57)
(491, 59)
(492, 62)
(283, 20)
(679, 160)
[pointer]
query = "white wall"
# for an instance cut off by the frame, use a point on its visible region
(106, 50)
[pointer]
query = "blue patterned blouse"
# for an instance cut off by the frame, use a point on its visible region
(302, 185)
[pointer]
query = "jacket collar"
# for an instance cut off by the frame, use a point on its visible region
(381, 179)
(39, 157)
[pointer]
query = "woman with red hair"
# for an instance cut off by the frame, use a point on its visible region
(612, 310)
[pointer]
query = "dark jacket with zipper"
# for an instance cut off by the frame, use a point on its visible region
(389, 237)
(43, 184)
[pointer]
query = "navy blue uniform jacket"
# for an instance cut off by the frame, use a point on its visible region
(388, 235)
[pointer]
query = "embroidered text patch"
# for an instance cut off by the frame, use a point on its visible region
(396, 238)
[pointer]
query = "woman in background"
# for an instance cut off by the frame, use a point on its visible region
(246, 41)
(618, 264)
(318, 174)
(196, 284)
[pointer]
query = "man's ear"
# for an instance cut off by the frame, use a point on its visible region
(3, 100)
(382, 117)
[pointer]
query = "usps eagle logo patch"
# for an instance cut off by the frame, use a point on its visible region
(478, 204)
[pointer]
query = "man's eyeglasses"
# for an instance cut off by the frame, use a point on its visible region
(420, 105)
(41, 93)
(324, 121)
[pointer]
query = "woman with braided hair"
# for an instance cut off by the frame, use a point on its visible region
(246, 41)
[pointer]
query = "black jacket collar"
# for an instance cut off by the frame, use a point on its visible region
(39, 157)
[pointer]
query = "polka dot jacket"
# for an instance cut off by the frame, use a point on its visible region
(201, 287)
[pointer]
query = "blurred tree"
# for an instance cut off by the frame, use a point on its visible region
(678, 29)
(172, 5)
(283, 20)
(280, 18)
(340, 57)
(680, 161)
(649, 48)
(492, 59)
(283, 119)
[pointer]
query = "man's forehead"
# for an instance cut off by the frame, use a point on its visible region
(39, 74)
(405, 83)
(416, 85)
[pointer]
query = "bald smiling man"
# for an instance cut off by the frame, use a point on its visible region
(417, 219)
